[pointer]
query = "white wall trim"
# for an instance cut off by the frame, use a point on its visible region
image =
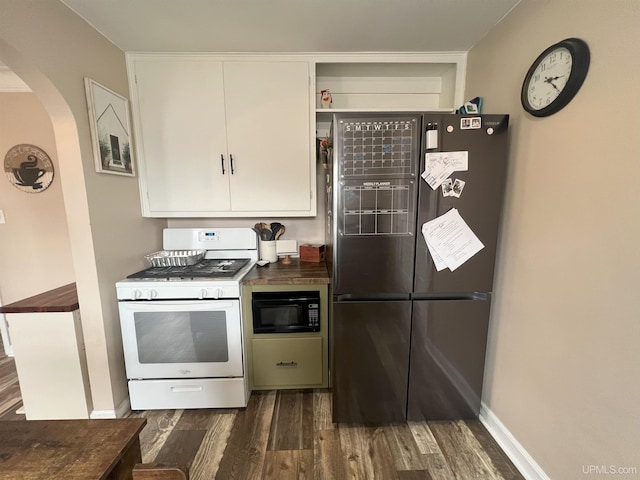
(511, 447)
(101, 414)
(119, 412)
(4, 333)
(10, 82)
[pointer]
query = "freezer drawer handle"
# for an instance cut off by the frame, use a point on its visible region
(287, 364)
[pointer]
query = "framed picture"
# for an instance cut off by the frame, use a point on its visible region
(110, 130)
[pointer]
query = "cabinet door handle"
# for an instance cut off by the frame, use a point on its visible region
(287, 364)
(222, 162)
(231, 160)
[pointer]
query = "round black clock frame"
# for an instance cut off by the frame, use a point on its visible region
(581, 57)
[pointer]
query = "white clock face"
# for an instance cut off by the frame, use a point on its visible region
(549, 78)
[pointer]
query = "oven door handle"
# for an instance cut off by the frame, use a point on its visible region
(184, 306)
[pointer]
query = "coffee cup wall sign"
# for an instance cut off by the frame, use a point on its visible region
(28, 168)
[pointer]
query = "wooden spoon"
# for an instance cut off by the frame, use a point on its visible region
(267, 230)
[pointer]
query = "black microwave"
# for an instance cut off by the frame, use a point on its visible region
(286, 312)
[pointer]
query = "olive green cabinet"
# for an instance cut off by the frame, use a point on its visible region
(286, 360)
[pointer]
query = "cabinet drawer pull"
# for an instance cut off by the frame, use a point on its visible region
(222, 162)
(287, 364)
(231, 161)
(187, 388)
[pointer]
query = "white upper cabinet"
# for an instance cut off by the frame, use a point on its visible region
(269, 136)
(223, 137)
(398, 82)
(179, 119)
(409, 82)
(235, 135)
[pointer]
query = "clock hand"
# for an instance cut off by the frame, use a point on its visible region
(550, 80)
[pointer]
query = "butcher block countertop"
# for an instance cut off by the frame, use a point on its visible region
(296, 273)
(61, 299)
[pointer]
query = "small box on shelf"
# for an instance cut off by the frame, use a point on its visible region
(312, 253)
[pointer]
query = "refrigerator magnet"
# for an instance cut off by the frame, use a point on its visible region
(470, 123)
(447, 187)
(456, 188)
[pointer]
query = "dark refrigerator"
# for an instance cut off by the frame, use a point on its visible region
(408, 340)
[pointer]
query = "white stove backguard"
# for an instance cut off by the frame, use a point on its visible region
(214, 240)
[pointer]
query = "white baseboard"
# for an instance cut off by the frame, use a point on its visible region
(511, 447)
(101, 414)
(119, 412)
(4, 333)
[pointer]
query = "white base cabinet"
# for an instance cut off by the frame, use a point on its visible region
(223, 137)
(51, 365)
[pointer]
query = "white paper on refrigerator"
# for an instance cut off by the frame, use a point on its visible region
(451, 238)
(460, 160)
(438, 262)
(437, 169)
(440, 165)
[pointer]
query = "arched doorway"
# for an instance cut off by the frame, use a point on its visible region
(52, 50)
(75, 212)
(35, 251)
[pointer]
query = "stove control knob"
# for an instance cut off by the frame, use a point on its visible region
(218, 292)
(151, 294)
(136, 294)
(203, 294)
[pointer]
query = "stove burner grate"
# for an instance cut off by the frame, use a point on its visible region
(208, 268)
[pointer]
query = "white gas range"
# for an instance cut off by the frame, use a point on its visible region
(182, 326)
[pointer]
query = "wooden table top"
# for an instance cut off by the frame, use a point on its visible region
(62, 299)
(65, 449)
(296, 273)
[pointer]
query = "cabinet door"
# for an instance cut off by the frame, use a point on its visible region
(180, 124)
(268, 131)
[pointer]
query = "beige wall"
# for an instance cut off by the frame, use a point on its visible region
(303, 230)
(52, 49)
(563, 368)
(35, 255)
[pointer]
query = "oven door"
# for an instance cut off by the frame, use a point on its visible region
(182, 338)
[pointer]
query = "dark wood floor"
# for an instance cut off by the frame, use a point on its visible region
(288, 434)
(10, 399)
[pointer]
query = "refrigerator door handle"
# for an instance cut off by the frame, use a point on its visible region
(452, 296)
(348, 297)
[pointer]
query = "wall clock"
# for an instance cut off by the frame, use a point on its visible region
(28, 168)
(555, 77)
